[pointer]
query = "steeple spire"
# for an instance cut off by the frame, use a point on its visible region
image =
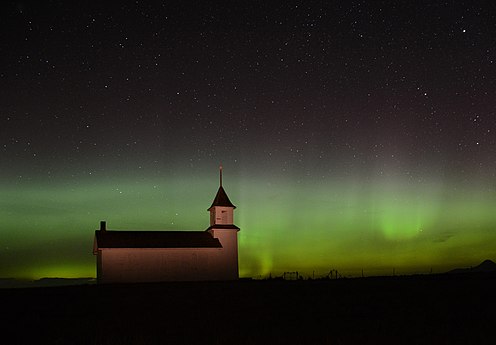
(221, 199)
(220, 174)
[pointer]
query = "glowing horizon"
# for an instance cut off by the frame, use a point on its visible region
(309, 226)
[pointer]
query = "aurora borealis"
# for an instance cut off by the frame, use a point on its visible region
(353, 135)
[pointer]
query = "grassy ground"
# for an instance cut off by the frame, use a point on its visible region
(399, 310)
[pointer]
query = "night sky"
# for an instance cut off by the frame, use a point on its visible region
(353, 134)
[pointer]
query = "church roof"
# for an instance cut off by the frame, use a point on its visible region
(155, 239)
(223, 226)
(221, 199)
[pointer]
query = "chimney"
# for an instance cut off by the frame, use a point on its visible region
(103, 225)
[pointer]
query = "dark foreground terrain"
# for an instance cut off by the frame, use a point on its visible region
(413, 310)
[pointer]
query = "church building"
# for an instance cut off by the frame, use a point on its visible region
(150, 256)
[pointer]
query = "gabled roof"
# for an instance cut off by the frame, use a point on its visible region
(155, 239)
(221, 199)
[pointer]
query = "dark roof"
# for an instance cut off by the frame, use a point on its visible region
(223, 226)
(221, 199)
(155, 239)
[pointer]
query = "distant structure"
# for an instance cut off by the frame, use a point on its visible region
(148, 256)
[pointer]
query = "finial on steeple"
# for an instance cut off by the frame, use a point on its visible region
(220, 174)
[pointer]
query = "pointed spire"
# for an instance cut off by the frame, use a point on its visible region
(220, 174)
(221, 199)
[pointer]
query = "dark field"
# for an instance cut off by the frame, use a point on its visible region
(413, 310)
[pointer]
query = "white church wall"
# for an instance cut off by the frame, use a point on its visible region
(145, 265)
(229, 258)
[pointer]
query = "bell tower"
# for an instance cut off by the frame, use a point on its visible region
(222, 227)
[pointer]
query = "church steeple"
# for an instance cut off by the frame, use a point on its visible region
(221, 210)
(221, 198)
(222, 227)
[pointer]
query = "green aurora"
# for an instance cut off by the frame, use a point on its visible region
(355, 135)
(286, 225)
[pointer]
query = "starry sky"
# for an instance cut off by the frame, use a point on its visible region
(353, 134)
